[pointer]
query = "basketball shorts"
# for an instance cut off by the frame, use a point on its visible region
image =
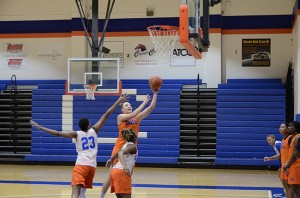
(283, 175)
(83, 175)
(293, 175)
(119, 182)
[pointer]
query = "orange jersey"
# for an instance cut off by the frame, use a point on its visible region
(284, 155)
(134, 124)
(284, 150)
(291, 152)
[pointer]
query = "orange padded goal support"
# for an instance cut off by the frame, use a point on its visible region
(184, 32)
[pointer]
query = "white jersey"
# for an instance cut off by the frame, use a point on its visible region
(129, 159)
(87, 148)
(276, 147)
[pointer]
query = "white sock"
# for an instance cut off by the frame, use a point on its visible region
(102, 195)
(82, 193)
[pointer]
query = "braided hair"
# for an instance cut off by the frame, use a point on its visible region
(129, 135)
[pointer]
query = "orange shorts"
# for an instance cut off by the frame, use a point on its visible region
(294, 175)
(119, 182)
(283, 175)
(83, 175)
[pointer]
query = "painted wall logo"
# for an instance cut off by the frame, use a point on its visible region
(14, 63)
(181, 57)
(14, 48)
(142, 50)
(181, 52)
(53, 55)
(141, 47)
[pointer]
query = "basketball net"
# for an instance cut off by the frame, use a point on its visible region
(163, 38)
(90, 90)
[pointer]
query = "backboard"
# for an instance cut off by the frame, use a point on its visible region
(193, 31)
(104, 72)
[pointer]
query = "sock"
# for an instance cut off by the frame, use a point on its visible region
(82, 193)
(102, 195)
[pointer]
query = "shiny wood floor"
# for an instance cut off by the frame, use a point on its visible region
(34, 181)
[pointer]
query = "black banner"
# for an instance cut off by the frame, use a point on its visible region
(256, 52)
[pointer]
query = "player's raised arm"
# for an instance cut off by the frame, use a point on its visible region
(101, 121)
(127, 107)
(69, 134)
(149, 109)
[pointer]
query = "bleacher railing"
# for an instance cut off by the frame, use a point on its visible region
(13, 115)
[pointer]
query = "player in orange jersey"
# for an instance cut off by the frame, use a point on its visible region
(131, 120)
(292, 166)
(282, 154)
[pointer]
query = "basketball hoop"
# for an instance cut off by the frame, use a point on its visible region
(163, 38)
(90, 90)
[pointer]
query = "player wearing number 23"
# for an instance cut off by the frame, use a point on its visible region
(86, 146)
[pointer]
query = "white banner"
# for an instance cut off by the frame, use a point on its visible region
(13, 56)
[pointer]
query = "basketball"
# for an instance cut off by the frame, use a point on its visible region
(155, 83)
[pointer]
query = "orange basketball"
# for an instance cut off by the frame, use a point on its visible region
(155, 82)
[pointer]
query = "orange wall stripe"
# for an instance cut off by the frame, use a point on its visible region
(142, 33)
(117, 34)
(259, 31)
(78, 33)
(36, 35)
(114, 34)
(215, 30)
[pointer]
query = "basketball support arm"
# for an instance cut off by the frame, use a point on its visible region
(107, 17)
(93, 42)
(86, 26)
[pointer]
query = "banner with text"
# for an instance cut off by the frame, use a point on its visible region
(256, 52)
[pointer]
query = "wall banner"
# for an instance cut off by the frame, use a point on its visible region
(256, 52)
(13, 55)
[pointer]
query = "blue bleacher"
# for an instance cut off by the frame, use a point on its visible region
(2, 86)
(247, 111)
(162, 125)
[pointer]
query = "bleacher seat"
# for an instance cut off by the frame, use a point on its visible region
(162, 125)
(247, 111)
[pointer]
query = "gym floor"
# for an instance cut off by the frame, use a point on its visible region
(34, 181)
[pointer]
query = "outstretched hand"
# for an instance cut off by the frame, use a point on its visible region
(124, 97)
(108, 163)
(33, 123)
(147, 99)
(126, 171)
(266, 159)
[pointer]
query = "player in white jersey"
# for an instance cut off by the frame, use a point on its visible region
(120, 179)
(86, 146)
